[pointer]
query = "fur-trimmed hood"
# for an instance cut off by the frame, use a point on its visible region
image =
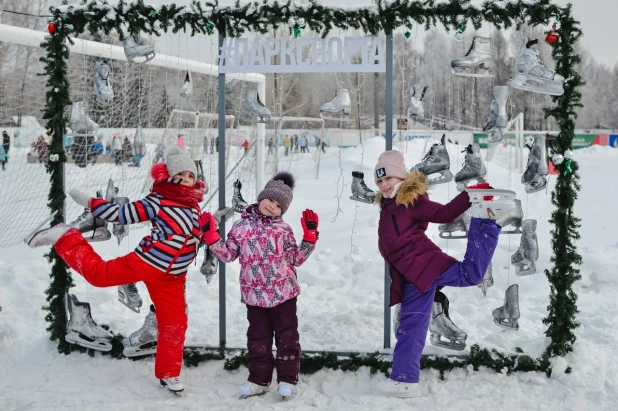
(414, 186)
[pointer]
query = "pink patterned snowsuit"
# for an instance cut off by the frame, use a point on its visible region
(268, 254)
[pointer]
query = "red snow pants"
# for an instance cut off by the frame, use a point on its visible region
(167, 292)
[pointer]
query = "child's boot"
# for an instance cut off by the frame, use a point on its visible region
(250, 389)
(286, 390)
(46, 235)
(173, 384)
(392, 388)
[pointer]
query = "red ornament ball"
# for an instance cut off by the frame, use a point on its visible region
(552, 38)
(51, 27)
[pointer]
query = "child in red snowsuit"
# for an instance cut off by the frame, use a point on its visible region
(161, 258)
(268, 256)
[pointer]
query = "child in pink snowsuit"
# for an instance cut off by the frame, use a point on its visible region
(268, 256)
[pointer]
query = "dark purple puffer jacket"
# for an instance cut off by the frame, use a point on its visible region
(410, 255)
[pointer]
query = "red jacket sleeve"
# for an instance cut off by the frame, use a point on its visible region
(432, 212)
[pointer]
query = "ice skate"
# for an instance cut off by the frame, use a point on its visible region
(360, 191)
(82, 330)
(392, 388)
(47, 233)
(120, 231)
(535, 177)
(144, 340)
(286, 390)
(457, 229)
(476, 62)
(93, 229)
(488, 280)
(528, 252)
(250, 389)
(186, 90)
(128, 295)
(79, 122)
(254, 108)
(504, 208)
(133, 50)
(173, 384)
(238, 203)
(498, 117)
(209, 265)
(441, 325)
(532, 75)
(416, 101)
(339, 108)
(473, 168)
(507, 315)
(103, 92)
(436, 161)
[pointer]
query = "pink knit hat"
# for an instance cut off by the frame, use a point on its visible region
(390, 164)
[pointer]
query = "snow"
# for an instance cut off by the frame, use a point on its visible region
(340, 308)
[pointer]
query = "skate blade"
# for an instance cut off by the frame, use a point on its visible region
(437, 342)
(244, 397)
(506, 326)
(47, 220)
(517, 230)
(131, 352)
(361, 200)
(147, 58)
(98, 344)
(529, 84)
(134, 309)
(478, 195)
(480, 73)
(524, 272)
(451, 236)
(530, 190)
(344, 118)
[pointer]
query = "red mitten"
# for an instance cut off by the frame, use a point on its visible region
(310, 226)
(207, 224)
(483, 186)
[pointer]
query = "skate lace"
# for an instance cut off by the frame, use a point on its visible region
(132, 289)
(430, 155)
(81, 217)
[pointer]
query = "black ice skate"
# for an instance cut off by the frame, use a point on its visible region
(82, 330)
(441, 325)
(488, 280)
(436, 161)
(360, 191)
(209, 265)
(144, 340)
(528, 252)
(128, 295)
(238, 203)
(473, 168)
(120, 231)
(507, 315)
(535, 176)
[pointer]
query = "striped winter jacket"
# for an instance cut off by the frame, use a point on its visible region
(175, 237)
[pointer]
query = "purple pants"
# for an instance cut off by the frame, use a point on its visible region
(283, 323)
(416, 306)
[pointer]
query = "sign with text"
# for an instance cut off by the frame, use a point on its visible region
(302, 55)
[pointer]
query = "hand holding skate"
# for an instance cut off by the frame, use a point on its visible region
(207, 224)
(81, 198)
(310, 226)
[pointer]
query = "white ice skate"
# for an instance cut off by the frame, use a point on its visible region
(79, 122)
(173, 384)
(186, 90)
(253, 107)
(250, 389)
(360, 191)
(457, 229)
(339, 108)
(144, 340)
(527, 254)
(392, 388)
(535, 177)
(498, 117)
(532, 75)
(416, 109)
(103, 92)
(128, 295)
(476, 62)
(441, 326)
(82, 330)
(504, 208)
(507, 316)
(133, 50)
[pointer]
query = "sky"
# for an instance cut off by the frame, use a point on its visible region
(597, 18)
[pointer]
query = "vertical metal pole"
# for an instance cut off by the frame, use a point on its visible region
(376, 118)
(221, 130)
(389, 146)
(260, 137)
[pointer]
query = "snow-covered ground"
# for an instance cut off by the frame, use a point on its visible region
(340, 308)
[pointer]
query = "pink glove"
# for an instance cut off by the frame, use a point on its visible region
(207, 224)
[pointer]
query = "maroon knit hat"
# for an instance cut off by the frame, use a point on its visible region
(279, 189)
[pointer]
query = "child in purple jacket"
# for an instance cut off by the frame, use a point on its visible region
(416, 265)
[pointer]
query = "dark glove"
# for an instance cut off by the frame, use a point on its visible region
(310, 226)
(207, 224)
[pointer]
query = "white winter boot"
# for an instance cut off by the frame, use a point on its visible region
(173, 384)
(250, 389)
(392, 388)
(286, 389)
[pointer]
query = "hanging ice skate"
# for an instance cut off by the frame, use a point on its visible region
(360, 191)
(497, 115)
(94, 229)
(238, 203)
(132, 50)
(532, 75)
(254, 108)
(120, 231)
(79, 122)
(535, 176)
(441, 325)
(81, 328)
(507, 316)
(416, 109)
(457, 229)
(339, 108)
(488, 280)
(128, 295)
(499, 205)
(473, 168)
(477, 62)
(209, 265)
(528, 252)
(103, 92)
(186, 90)
(436, 161)
(144, 340)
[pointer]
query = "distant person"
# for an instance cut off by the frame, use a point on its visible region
(6, 143)
(3, 157)
(41, 148)
(303, 144)
(245, 145)
(181, 141)
(287, 143)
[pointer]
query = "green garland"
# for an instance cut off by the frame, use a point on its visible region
(200, 18)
